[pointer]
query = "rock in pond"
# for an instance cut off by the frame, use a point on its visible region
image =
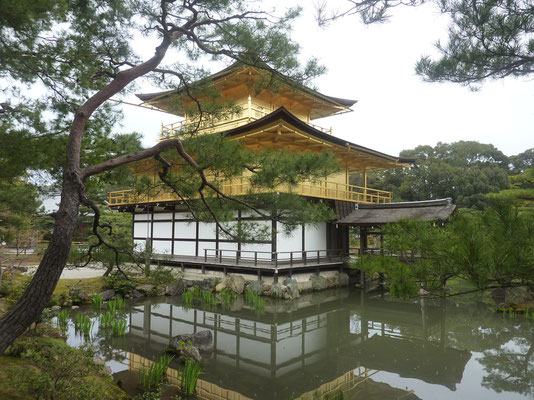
(236, 283)
(318, 282)
(176, 288)
(189, 346)
(107, 294)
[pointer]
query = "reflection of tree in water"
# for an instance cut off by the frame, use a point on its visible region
(507, 345)
(510, 368)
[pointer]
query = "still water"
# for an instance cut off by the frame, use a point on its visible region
(370, 347)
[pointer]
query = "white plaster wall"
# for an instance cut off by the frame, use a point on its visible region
(206, 230)
(291, 242)
(255, 350)
(161, 246)
(139, 245)
(141, 229)
(315, 237)
(257, 247)
(288, 349)
(228, 246)
(163, 230)
(141, 217)
(162, 216)
(206, 245)
(185, 248)
(185, 230)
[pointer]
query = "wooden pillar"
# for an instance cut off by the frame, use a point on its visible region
(363, 240)
(364, 176)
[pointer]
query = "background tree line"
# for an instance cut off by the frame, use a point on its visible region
(465, 171)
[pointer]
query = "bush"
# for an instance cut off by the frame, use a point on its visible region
(119, 284)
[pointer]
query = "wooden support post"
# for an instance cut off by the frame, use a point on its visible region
(259, 274)
(255, 258)
(225, 271)
(317, 271)
(183, 267)
(291, 273)
(203, 268)
(276, 276)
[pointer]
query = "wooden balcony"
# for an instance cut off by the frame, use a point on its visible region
(318, 189)
(249, 113)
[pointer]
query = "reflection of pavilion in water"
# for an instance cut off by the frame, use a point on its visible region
(284, 354)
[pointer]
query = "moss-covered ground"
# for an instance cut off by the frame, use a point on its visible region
(40, 365)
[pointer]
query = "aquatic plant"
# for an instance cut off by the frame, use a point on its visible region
(112, 306)
(120, 303)
(254, 300)
(118, 327)
(150, 378)
(227, 297)
(97, 301)
(187, 298)
(197, 295)
(188, 381)
(209, 298)
(106, 320)
(83, 323)
(63, 320)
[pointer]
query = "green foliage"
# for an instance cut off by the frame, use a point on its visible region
(150, 379)
(254, 300)
(106, 320)
(189, 378)
(464, 171)
(187, 298)
(227, 297)
(488, 39)
(119, 327)
(63, 320)
(49, 369)
(119, 284)
(97, 301)
(83, 324)
(493, 248)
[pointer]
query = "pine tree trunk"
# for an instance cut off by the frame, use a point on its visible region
(38, 294)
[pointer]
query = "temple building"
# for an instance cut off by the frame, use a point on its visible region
(266, 119)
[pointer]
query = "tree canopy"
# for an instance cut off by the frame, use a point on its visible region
(464, 171)
(486, 39)
(77, 55)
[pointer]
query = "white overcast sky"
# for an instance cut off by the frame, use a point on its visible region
(396, 110)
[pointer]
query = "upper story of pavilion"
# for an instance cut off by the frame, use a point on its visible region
(266, 110)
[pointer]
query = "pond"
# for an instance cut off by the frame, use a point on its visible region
(370, 347)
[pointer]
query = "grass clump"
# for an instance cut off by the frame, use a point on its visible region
(187, 298)
(188, 381)
(84, 324)
(97, 301)
(227, 297)
(106, 320)
(63, 320)
(151, 378)
(38, 367)
(254, 300)
(118, 327)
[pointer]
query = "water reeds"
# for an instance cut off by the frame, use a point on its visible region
(63, 320)
(97, 301)
(187, 298)
(150, 378)
(188, 381)
(227, 297)
(197, 295)
(120, 304)
(209, 299)
(253, 299)
(83, 324)
(106, 320)
(112, 306)
(118, 327)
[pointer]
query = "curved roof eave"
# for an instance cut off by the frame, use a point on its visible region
(283, 114)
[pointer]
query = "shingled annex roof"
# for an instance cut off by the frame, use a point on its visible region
(379, 214)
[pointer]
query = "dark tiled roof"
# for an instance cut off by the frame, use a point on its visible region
(379, 214)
